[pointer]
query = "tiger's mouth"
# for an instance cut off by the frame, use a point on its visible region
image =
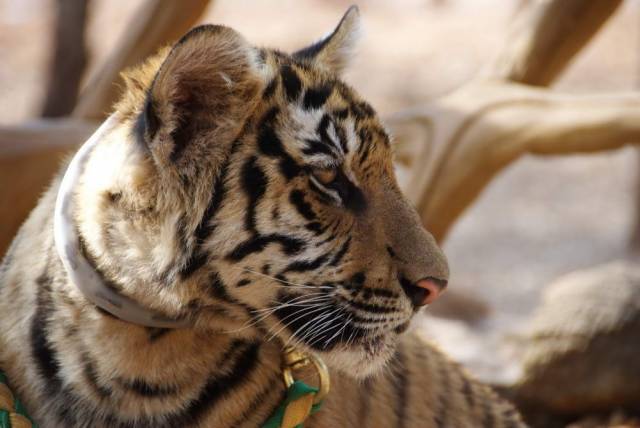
(347, 333)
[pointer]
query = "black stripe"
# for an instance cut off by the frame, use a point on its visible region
(219, 387)
(270, 89)
(330, 238)
(89, 371)
(289, 167)
(315, 147)
(341, 252)
(352, 197)
(291, 82)
(205, 228)
(256, 244)
(367, 320)
(254, 183)
(392, 253)
(362, 110)
(376, 309)
(401, 384)
(148, 390)
(271, 145)
(156, 333)
(365, 154)
(290, 245)
(306, 265)
(379, 292)
(243, 282)
(42, 350)
(365, 143)
(358, 278)
(315, 227)
(218, 290)
(296, 197)
(314, 98)
(252, 245)
(323, 130)
(440, 416)
(268, 141)
(341, 114)
(194, 262)
(342, 137)
(358, 109)
(271, 387)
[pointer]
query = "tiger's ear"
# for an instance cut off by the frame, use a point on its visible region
(206, 85)
(335, 50)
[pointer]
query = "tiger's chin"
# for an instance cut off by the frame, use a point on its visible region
(362, 359)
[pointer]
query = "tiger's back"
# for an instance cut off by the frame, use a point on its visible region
(250, 193)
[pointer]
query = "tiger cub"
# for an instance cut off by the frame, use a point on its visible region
(247, 198)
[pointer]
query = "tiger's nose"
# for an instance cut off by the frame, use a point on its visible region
(425, 291)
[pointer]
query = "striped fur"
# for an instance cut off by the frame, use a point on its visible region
(253, 193)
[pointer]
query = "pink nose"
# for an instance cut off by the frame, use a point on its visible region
(431, 289)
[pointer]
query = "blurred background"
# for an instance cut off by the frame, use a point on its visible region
(529, 237)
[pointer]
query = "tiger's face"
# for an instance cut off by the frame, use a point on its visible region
(260, 195)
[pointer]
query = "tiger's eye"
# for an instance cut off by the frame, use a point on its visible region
(325, 176)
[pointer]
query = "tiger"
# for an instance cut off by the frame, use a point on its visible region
(246, 197)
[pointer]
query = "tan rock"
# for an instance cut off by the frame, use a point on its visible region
(582, 352)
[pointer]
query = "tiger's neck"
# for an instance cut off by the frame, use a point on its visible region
(94, 367)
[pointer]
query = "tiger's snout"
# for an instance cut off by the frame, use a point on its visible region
(422, 267)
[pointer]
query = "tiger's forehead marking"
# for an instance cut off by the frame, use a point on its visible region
(321, 118)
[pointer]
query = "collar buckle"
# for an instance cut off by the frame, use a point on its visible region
(295, 359)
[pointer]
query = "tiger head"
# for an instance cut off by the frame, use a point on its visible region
(253, 192)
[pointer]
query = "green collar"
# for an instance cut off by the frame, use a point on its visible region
(293, 410)
(301, 400)
(12, 412)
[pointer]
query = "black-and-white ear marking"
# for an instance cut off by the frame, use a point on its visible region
(334, 51)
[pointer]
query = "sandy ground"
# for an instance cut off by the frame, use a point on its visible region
(539, 219)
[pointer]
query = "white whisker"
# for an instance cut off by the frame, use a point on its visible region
(287, 324)
(318, 332)
(265, 312)
(308, 333)
(341, 329)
